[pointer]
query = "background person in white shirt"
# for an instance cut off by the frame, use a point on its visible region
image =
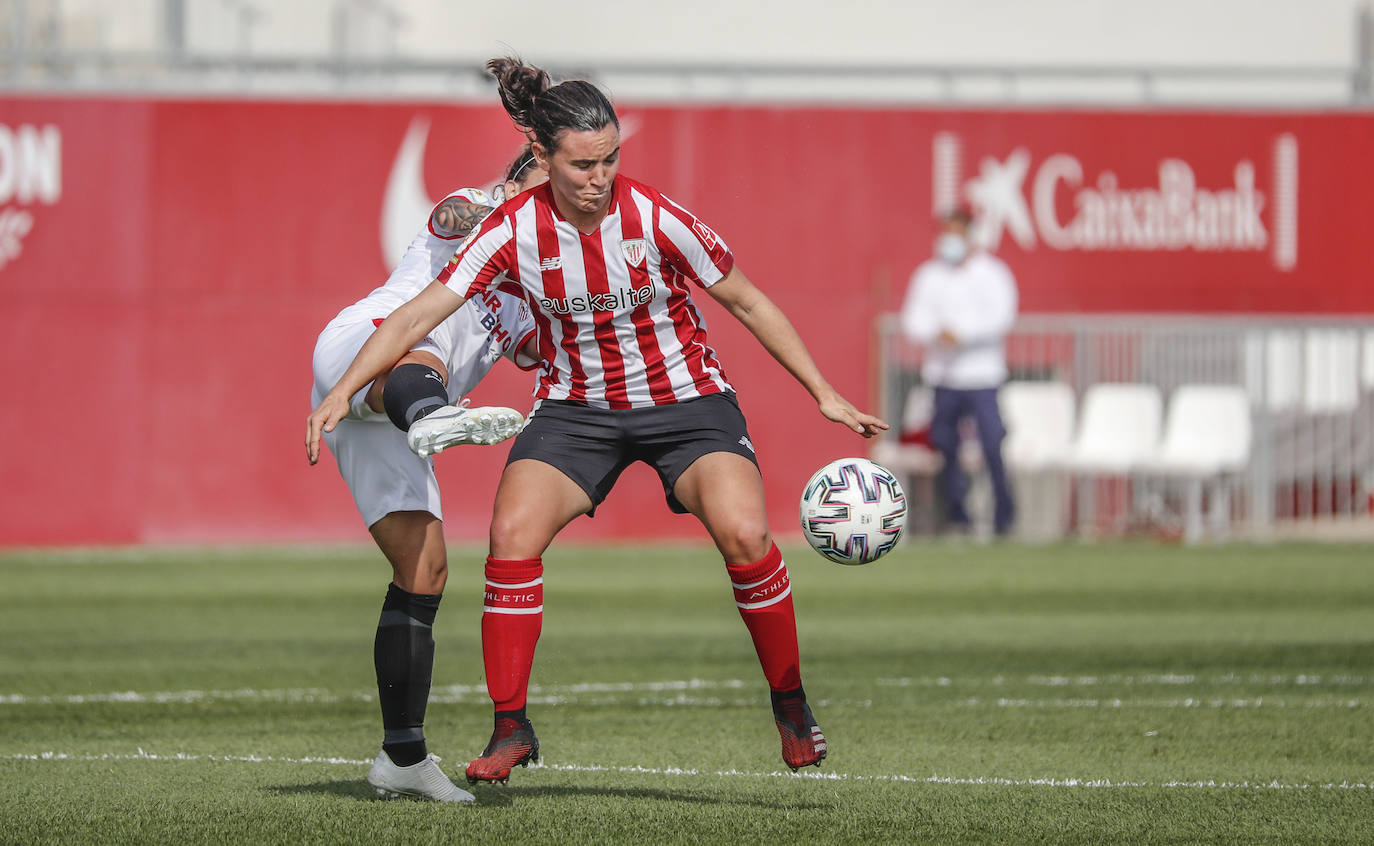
(960, 306)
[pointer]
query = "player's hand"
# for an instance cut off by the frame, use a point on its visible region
(324, 418)
(840, 410)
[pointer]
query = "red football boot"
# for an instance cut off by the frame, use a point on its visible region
(803, 744)
(512, 744)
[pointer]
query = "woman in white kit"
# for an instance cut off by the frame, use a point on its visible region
(383, 444)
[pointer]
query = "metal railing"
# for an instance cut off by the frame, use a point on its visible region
(1310, 383)
(172, 71)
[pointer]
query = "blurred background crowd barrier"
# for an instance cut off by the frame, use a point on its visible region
(190, 189)
(1199, 427)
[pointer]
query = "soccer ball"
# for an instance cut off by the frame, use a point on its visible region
(853, 511)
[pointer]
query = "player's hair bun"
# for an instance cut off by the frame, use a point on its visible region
(519, 84)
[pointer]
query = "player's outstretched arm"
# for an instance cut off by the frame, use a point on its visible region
(401, 331)
(777, 335)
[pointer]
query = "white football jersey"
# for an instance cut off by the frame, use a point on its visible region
(473, 338)
(426, 256)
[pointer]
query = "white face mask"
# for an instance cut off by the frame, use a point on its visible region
(952, 248)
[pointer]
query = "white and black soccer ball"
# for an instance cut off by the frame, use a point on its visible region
(853, 511)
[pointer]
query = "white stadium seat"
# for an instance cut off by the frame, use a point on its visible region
(1206, 436)
(1207, 432)
(1119, 428)
(1039, 417)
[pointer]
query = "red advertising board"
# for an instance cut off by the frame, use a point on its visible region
(166, 265)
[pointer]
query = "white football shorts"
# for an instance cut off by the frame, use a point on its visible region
(380, 470)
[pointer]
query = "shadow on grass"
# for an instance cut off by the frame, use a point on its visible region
(500, 797)
(352, 788)
(496, 796)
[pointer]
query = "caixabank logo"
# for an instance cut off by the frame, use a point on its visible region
(1054, 202)
(30, 177)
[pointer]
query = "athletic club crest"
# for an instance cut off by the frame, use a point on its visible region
(635, 249)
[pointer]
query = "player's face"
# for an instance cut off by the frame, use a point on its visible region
(583, 167)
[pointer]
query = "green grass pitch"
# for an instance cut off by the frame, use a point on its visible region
(971, 694)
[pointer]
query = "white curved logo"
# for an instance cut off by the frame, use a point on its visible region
(406, 204)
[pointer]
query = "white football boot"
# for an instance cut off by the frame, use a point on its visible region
(458, 424)
(418, 781)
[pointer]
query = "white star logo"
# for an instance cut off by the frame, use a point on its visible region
(1000, 202)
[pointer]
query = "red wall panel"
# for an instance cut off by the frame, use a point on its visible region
(162, 305)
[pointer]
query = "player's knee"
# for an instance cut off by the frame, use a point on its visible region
(436, 572)
(514, 536)
(744, 541)
(426, 574)
(411, 392)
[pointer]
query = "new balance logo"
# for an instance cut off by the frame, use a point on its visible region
(744, 441)
(435, 376)
(554, 263)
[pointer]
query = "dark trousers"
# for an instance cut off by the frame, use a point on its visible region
(951, 406)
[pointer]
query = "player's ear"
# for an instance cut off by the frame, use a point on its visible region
(541, 154)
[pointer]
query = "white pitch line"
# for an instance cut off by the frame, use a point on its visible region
(446, 694)
(141, 755)
(1189, 702)
(1148, 680)
(560, 694)
(993, 781)
(657, 694)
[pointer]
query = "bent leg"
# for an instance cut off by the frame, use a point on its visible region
(398, 497)
(725, 492)
(376, 392)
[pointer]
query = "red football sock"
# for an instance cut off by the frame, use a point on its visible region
(764, 596)
(512, 615)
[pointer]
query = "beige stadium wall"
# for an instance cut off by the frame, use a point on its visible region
(1055, 32)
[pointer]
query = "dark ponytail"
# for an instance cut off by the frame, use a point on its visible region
(542, 110)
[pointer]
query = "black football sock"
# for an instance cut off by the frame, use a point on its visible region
(411, 392)
(780, 696)
(403, 654)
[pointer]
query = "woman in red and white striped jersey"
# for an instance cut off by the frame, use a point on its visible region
(608, 266)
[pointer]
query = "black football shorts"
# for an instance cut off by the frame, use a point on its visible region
(592, 446)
